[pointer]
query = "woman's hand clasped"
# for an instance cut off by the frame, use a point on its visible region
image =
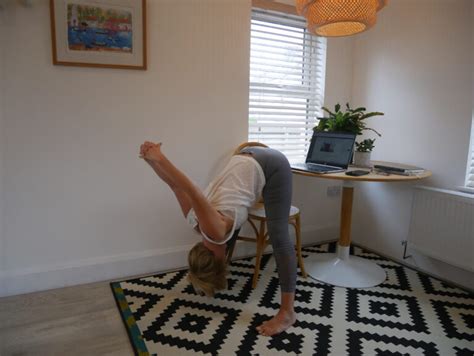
(150, 151)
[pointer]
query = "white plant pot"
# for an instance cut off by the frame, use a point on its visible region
(362, 159)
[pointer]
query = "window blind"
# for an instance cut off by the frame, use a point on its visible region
(470, 164)
(287, 72)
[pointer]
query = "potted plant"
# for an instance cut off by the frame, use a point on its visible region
(352, 120)
(362, 152)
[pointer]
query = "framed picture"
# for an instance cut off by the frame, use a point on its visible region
(99, 33)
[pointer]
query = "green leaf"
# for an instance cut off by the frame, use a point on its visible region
(322, 125)
(371, 129)
(358, 110)
(328, 111)
(370, 114)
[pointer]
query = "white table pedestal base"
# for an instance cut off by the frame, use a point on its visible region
(342, 270)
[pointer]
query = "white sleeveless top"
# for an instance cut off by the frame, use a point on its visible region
(236, 189)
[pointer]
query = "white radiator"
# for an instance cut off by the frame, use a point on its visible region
(442, 226)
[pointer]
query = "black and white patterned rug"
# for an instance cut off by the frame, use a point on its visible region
(409, 314)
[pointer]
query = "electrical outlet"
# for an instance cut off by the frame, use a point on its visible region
(334, 191)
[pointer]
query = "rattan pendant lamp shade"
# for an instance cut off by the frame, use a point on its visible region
(334, 18)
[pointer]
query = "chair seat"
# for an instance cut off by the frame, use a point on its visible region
(258, 210)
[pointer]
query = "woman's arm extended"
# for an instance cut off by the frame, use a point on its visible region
(211, 222)
(182, 198)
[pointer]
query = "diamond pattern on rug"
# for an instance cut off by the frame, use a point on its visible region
(457, 319)
(437, 288)
(193, 326)
(303, 339)
(160, 281)
(406, 313)
(396, 277)
(409, 314)
(311, 298)
(364, 343)
(140, 302)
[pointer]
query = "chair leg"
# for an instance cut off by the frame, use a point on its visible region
(260, 248)
(297, 226)
(230, 252)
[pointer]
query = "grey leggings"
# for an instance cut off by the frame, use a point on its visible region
(277, 201)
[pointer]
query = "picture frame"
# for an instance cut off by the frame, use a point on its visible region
(99, 33)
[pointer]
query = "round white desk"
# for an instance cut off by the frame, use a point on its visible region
(341, 269)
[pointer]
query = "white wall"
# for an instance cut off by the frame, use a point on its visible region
(79, 204)
(339, 71)
(77, 196)
(414, 66)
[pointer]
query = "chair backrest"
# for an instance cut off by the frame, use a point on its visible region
(248, 144)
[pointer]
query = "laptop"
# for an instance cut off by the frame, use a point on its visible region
(329, 152)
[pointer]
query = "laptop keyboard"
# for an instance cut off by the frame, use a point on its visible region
(318, 168)
(312, 167)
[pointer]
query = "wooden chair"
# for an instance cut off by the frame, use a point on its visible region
(257, 216)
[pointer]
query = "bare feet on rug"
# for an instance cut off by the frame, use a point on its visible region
(279, 323)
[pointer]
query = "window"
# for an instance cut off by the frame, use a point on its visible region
(287, 71)
(470, 163)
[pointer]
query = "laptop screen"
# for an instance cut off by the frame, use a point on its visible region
(331, 148)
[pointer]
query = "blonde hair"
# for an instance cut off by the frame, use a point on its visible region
(207, 273)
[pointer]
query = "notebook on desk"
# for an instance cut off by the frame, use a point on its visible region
(329, 152)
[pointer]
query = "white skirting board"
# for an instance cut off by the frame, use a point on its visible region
(117, 267)
(91, 270)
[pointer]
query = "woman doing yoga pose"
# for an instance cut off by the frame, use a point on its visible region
(222, 209)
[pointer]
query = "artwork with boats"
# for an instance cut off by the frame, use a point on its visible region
(99, 28)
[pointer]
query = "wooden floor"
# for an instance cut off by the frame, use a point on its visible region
(81, 320)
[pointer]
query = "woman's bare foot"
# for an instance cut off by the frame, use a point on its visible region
(279, 323)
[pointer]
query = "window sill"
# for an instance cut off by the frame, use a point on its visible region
(466, 190)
